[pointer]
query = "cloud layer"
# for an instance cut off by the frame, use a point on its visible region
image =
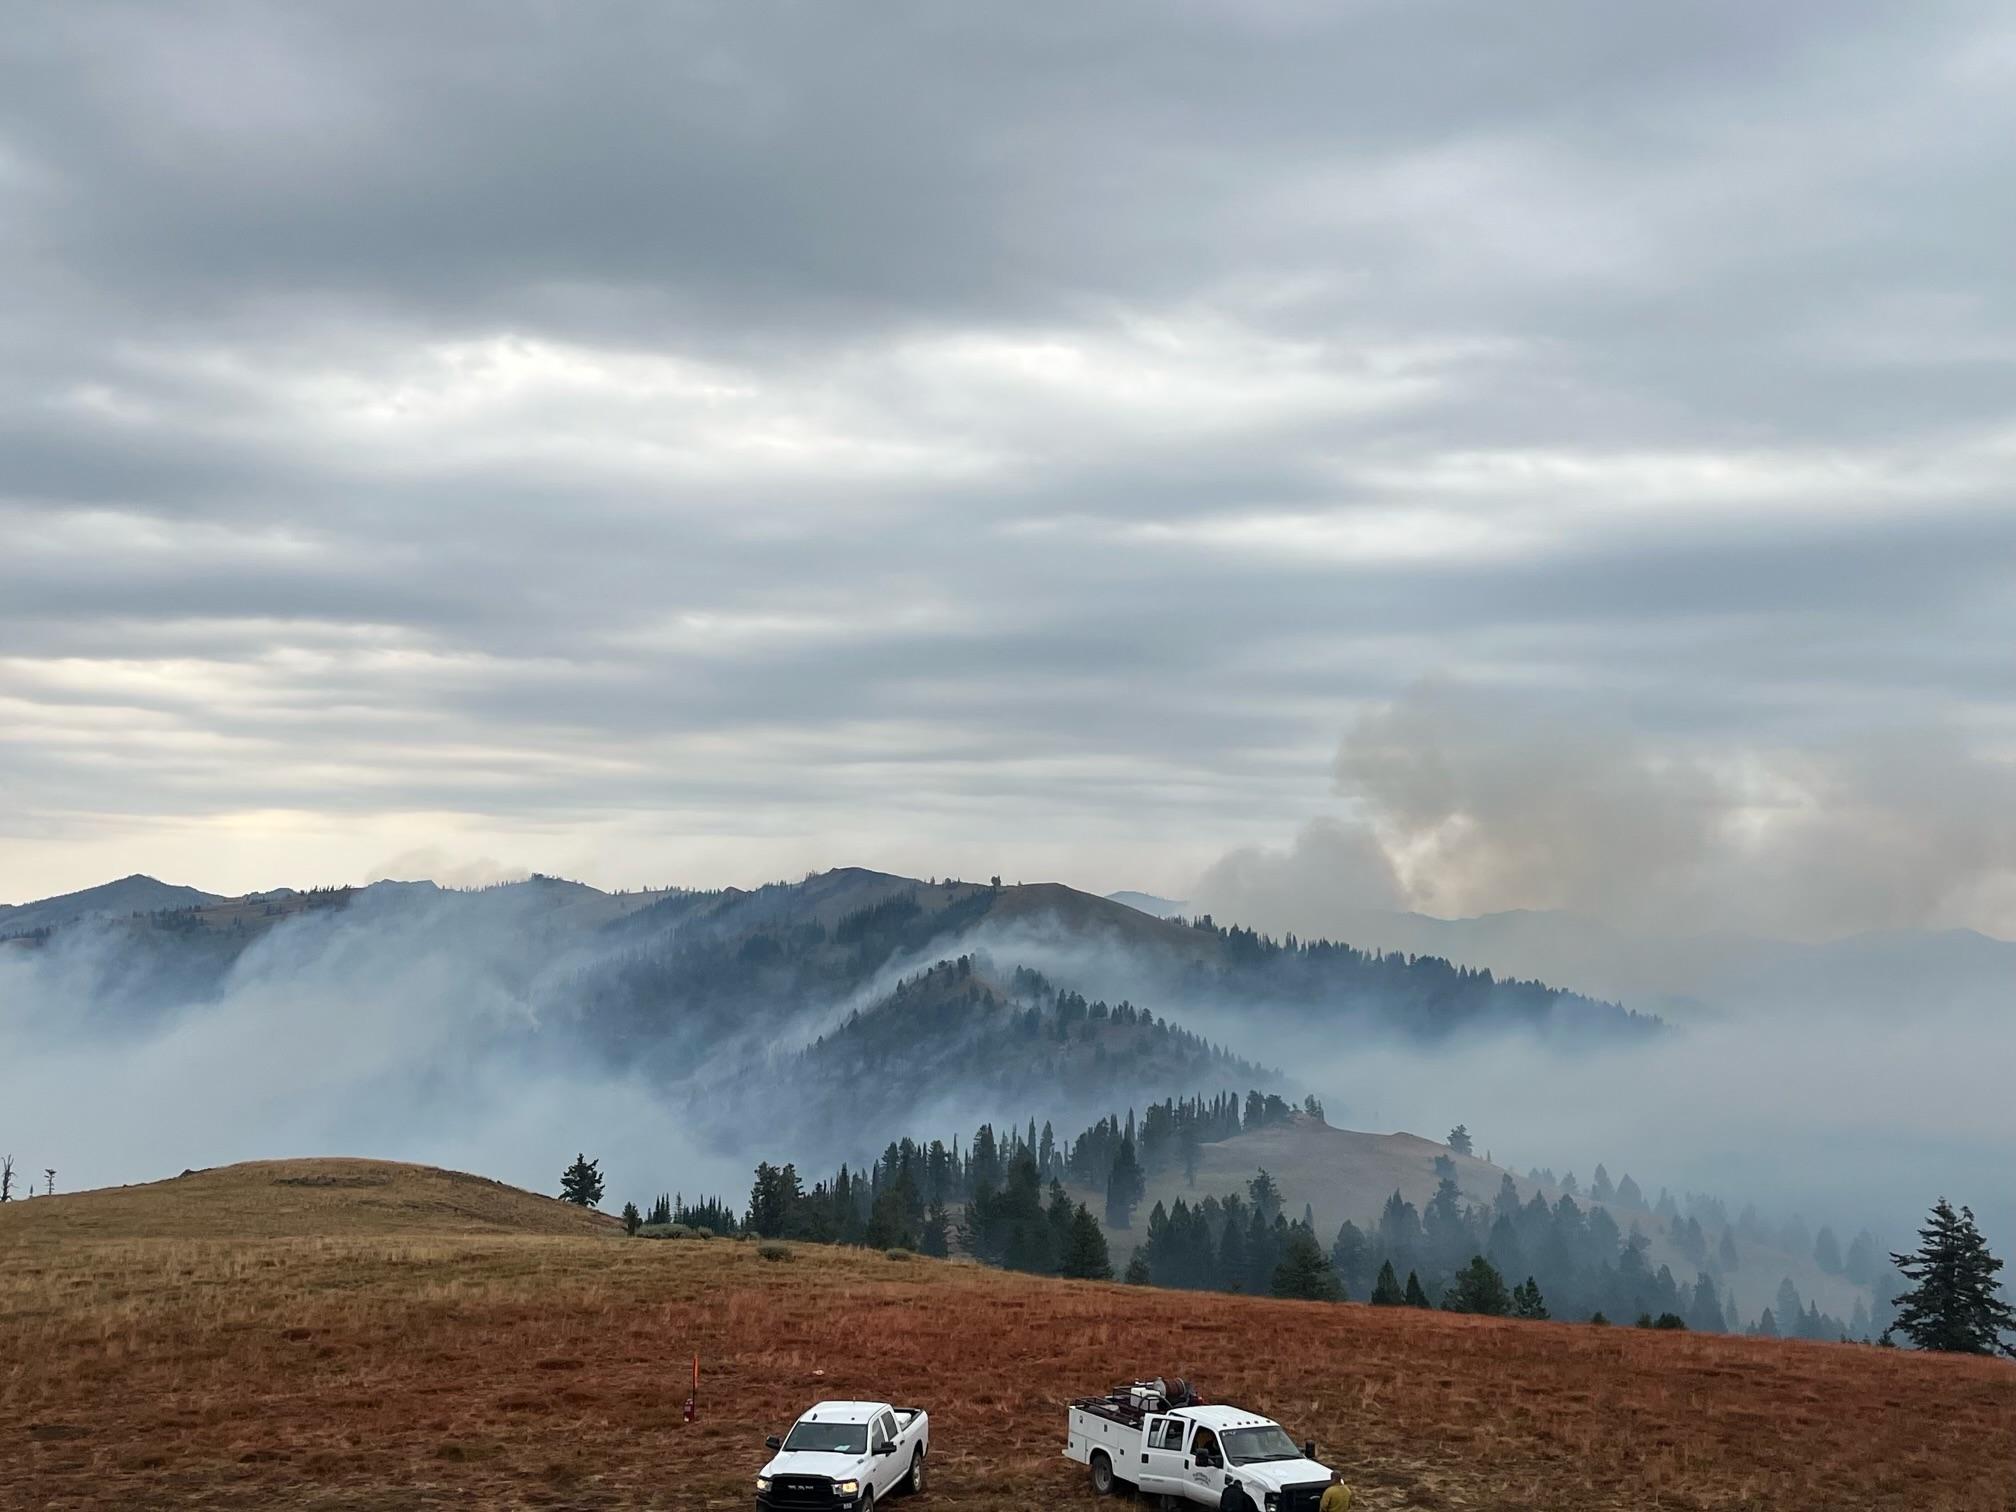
(705, 445)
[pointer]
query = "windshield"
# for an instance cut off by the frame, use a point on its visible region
(809, 1437)
(1252, 1446)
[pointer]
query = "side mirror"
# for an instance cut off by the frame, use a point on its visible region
(773, 1442)
(1308, 1448)
(885, 1447)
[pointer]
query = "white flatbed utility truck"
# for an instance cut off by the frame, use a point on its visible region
(851, 1455)
(1173, 1446)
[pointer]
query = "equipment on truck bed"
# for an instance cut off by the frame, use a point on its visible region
(1133, 1400)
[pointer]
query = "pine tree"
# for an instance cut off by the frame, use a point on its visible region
(936, 1238)
(1956, 1303)
(888, 1227)
(1705, 1316)
(1265, 1195)
(1789, 1308)
(1085, 1254)
(1386, 1290)
(1137, 1270)
(1304, 1270)
(1862, 1265)
(1459, 1140)
(1232, 1261)
(1444, 1229)
(1124, 1184)
(1416, 1297)
(1478, 1288)
(775, 1197)
(1827, 1252)
(1349, 1255)
(1528, 1303)
(582, 1182)
(632, 1219)
(1727, 1254)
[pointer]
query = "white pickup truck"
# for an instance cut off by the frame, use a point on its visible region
(1137, 1437)
(845, 1455)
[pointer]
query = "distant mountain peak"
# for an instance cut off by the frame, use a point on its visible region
(1149, 903)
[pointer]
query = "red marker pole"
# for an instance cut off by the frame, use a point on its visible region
(693, 1397)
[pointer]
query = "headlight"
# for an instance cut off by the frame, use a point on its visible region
(1273, 1500)
(762, 1483)
(847, 1487)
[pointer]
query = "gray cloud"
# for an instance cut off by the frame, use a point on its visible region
(715, 443)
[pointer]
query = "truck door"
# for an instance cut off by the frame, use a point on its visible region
(1162, 1456)
(1204, 1467)
(883, 1467)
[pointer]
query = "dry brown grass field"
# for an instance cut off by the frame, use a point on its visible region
(304, 1334)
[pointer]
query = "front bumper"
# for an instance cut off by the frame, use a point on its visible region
(805, 1499)
(1302, 1498)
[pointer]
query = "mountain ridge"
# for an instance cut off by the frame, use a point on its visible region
(136, 893)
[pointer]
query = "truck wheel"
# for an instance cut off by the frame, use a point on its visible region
(1104, 1482)
(867, 1502)
(915, 1483)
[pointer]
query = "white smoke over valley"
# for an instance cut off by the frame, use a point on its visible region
(419, 1026)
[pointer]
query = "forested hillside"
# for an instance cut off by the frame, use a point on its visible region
(1029, 1198)
(860, 970)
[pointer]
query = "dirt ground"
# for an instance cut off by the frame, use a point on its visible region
(472, 1369)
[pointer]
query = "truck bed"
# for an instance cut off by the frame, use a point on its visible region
(1114, 1412)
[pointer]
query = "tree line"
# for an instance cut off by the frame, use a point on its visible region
(1003, 1199)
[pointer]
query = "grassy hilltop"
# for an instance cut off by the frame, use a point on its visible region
(364, 1335)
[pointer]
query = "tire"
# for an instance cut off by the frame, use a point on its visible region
(913, 1483)
(867, 1502)
(1104, 1481)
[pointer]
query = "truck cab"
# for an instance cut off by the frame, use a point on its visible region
(845, 1455)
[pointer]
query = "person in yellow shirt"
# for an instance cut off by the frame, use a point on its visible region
(1338, 1497)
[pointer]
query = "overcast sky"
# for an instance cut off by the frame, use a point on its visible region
(665, 444)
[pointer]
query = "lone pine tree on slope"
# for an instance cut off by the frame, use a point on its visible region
(1085, 1254)
(1304, 1270)
(582, 1182)
(1956, 1303)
